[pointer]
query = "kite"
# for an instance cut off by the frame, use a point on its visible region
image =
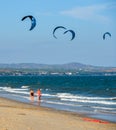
(104, 35)
(33, 21)
(72, 32)
(58, 27)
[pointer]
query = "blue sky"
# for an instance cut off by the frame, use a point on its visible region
(88, 18)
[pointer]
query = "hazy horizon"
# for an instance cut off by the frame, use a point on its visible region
(58, 64)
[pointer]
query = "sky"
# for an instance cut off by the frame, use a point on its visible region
(89, 19)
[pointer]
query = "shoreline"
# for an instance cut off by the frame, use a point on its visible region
(27, 116)
(96, 115)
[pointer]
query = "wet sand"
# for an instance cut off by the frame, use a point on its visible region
(21, 116)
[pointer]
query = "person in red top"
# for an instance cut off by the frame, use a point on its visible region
(39, 94)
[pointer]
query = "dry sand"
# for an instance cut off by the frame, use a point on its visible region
(19, 116)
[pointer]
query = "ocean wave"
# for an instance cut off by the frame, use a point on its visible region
(72, 96)
(14, 90)
(89, 101)
(49, 95)
(60, 103)
(24, 86)
(104, 108)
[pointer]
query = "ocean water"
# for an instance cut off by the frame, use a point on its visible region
(94, 96)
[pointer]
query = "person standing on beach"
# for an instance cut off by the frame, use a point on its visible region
(39, 94)
(31, 94)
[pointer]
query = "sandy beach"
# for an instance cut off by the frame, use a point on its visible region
(19, 116)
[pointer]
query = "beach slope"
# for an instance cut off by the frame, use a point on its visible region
(19, 116)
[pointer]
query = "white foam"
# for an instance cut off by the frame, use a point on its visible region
(104, 108)
(18, 89)
(14, 90)
(89, 101)
(48, 95)
(60, 103)
(71, 96)
(25, 87)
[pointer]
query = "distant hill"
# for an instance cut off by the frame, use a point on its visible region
(40, 66)
(68, 66)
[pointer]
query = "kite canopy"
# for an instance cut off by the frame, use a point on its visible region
(33, 21)
(72, 32)
(61, 27)
(104, 35)
(58, 27)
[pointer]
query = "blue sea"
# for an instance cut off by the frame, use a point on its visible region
(94, 96)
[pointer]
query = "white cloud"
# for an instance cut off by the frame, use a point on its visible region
(94, 12)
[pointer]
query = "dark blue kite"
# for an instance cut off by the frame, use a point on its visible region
(33, 21)
(72, 32)
(58, 27)
(104, 35)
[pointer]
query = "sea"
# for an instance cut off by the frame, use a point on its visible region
(94, 96)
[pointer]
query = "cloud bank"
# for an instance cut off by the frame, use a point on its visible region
(93, 12)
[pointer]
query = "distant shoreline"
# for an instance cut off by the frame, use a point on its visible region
(39, 72)
(69, 69)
